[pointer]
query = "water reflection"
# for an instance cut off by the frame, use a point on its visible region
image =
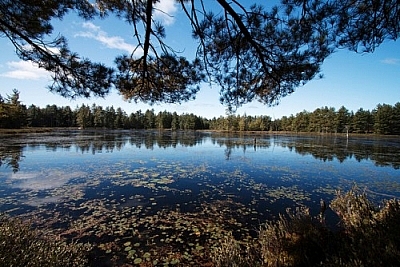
(194, 186)
(10, 156)
(44, 179)
(382, 151)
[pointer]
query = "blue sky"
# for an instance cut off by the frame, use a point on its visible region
(351, 80)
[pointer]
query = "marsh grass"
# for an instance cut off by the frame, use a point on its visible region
(20, 245)
(367, 236)
(370, 235)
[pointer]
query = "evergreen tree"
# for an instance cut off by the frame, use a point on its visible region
(139, 119)
(119, 118)
(12, 112)
(149, 119)
(251, 52)
(98, 117)
(83, 117)
(68, 118)
(384, 119)
(362, 121)
(342, 120)
(175, 122)
(242, 124)
(301, 121)
(33, 116)
(396, 119)
(109, 119)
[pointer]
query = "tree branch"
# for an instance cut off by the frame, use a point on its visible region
(146, 45)
(45, 52)
(246, 33)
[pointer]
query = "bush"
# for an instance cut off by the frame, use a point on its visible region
(234, 254)
(20, 245)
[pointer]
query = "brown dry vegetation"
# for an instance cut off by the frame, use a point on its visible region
(367, 236)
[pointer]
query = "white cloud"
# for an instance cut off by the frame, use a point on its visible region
(113, 42)
(25, 70)
(391, 61)
(165, 11)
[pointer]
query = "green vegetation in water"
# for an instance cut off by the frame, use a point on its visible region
(152, 211)
(368, 236)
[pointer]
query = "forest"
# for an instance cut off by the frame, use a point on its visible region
(384, 119)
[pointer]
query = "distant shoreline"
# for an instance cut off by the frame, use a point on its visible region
(254, 133)
(4, 131)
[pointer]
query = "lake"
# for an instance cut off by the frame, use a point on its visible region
(142, 194)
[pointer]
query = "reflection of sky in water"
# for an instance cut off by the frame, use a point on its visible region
(41, 180)
(39, 187)
(272, 163)
(103, 187)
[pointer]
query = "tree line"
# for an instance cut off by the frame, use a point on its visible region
(384, 119)
(13, 114)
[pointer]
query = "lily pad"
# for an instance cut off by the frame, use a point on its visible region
(137, 261)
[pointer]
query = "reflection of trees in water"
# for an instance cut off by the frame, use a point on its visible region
(165, 139)
(382, 151)
(94, 142)
(228, 150)
(241, 142)
(388, 157)
(10, 156)
(97, 142)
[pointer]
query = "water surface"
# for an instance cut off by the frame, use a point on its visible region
(132, 193)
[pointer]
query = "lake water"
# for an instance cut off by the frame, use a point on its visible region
(138, 194)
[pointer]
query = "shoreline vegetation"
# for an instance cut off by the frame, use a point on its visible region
(383, 120)
(367, 235)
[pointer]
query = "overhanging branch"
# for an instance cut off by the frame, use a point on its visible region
(246, 33)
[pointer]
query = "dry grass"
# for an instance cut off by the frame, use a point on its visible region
(369, 236)
(20, 245)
